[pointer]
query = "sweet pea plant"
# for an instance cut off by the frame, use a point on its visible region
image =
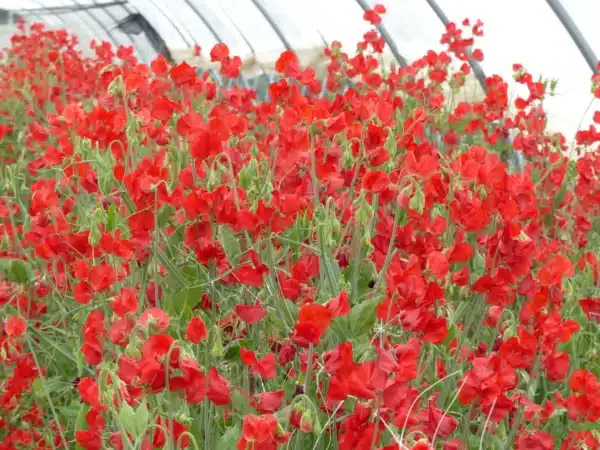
(187, 266)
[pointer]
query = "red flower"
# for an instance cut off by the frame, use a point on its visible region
(266, 367)
(126, 302)
(248, 357)
(339, 306)
(269, 402)
(15, 326)
(313, 321)
(159, 66)
(557, 366)
(375, 181)
(155, 317)
(196, 330)
(250, 314)
(438, 264)
(372, 17)
(538, 440)
(288, 64)
(183, 74)
(89, 391)
(552, 273)
(218, 388)
(261, 433)
(166, 425)
(193, 381)
(219, 52)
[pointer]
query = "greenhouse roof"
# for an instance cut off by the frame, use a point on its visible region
(553, 39)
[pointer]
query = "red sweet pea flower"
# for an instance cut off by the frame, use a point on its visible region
(537, 440)
(160, 439)
(89, 392)
(438, 264)
(193, 381)
(250, 314)
(15, 326)
(261, 433)
(375, 181)
(552, 273)
(125, 302)
(557, 366)
(339, 306)
(266, 367)
(219, 52)
(196, 330)
(183, 74)
(288, 64)
(248, 357)
(269, 402)
(218, 388)
(313, 321)
(160, 67)
(155, 317)
(372, 17)
(591, 308)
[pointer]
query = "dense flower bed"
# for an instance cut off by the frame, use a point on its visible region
(185, 266)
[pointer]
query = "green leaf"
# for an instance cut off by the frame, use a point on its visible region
(478, 265)
(232, 351)
(164, 215)
(128, 419)
(111, 218)
(21, 271)
(341, 328)
(556, 201)
(241, 403)
(230, 438)
(363, 348)
(5, 266)
(189, 296)
(230, 243)
(417, 202)
(141, 418)
(215, 337)
(362, 317)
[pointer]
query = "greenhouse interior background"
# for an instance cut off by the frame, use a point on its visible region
(556, 40)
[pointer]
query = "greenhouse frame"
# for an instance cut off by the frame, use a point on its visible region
(553, 39)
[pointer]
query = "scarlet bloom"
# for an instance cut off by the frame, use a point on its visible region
(375, 181)
(339, 306)
(313, 321)
(89, 391)
(196, 330)
(372, 17)
(266, 367)
(438, 264)
(287, 63)
(125, 302)
(219, 52)
(552, 273)
(193, 381)
(15, 326)
(250, 314)
(261, 433)
(183, 74)
(218, 388)
(269, 402)
(154, 316)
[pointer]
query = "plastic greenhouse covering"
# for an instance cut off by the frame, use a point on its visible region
(554, 39)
